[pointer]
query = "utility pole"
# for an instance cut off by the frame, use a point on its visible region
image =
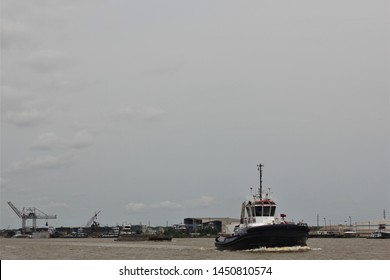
(318, 221)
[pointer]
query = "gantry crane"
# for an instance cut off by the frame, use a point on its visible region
(30, 213)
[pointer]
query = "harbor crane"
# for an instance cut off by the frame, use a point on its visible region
(94, 217)
(32, 213)
(91, 223)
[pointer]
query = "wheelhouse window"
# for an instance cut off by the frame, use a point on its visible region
(259, 211)
(266, 210)
(273, 208)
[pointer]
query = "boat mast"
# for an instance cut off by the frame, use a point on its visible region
(260, 169)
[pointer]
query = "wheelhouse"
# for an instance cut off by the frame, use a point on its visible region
(264, 208)
(258, 211)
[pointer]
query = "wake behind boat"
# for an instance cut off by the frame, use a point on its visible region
(260, 228)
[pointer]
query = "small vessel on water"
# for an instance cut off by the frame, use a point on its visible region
(259, 227)
(380, 233)
(19, 234)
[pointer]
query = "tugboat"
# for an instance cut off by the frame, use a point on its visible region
(260, 228)
(380, 233)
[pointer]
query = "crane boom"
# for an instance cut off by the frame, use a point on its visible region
(92, 219)
(16, 210)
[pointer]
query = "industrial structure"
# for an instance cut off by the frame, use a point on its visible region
(32, 213)
(92, 220)
(90, 227)
(224, 225)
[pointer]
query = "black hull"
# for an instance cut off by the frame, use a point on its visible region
(381, 235)
(278, 235)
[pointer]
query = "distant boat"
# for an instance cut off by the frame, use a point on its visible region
(126, 230)
(380, 233)
(19, 234)
(260, 228)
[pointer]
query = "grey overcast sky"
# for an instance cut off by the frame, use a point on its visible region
(154, 111)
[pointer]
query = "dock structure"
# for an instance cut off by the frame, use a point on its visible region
(367, 227)
(357, 229)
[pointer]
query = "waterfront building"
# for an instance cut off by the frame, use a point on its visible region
(224, 225)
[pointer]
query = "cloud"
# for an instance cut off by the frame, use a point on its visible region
(12, 96)
(81, 139)
(141, 207)
(168, 205)
(22, 106)
(47, 141)
(45, 61)
(50, 141)
(62, 151)
(3, 183)
(25, 101)
(136, 207)
(77, 195)
(203, 201)
(14, 34)
(151, 113)
(138, 112)
(25, 117)
(41, 161)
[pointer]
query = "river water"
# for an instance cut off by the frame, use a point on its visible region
(187, 249)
